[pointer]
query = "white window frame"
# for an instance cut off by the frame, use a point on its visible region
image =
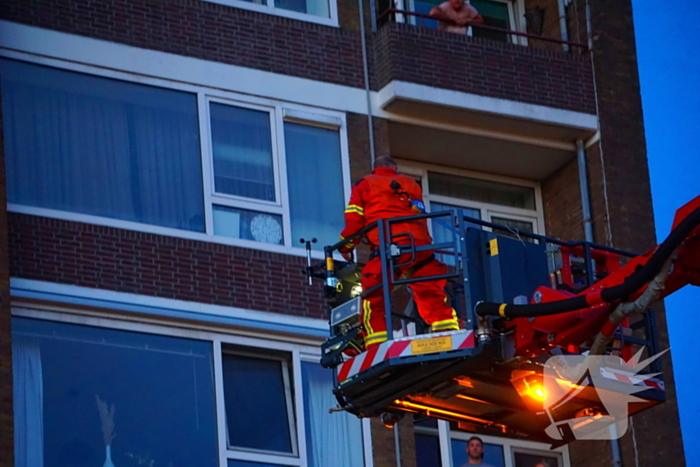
(270, 9)
(281, 111)
(297, 347)
(288, 391)
(487, 210)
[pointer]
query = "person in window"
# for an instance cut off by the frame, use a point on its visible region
(455, 16)
(475, 453)
(386, 194)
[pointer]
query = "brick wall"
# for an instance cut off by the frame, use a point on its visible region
(561, 199)
(507, 71)
(6, 420)
(384, 444)
(209, 31)
(155, 265)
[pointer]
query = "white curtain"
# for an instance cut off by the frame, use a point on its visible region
(28, 401)
(332, 439)
(315, 181)
(101, 147)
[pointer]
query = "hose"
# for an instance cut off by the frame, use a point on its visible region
(631, 284)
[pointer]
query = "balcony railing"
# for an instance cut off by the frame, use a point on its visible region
(424, 20)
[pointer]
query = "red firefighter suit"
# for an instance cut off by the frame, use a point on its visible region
(372, 198)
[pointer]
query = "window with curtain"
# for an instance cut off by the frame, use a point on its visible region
(242, 152)
(103, 147)
(86, 395)
(331, 439)
(315, 181)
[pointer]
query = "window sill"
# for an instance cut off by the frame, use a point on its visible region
(332, 21)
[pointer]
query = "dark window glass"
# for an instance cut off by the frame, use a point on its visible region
(427, 450)
(496, 15)
(102, 147)
(484, 191)
(493, 453)
(242, 147)
(258, 403)
(83, 395)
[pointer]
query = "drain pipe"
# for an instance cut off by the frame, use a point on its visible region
(562, 24)
(397, 445)
(585, 197)
(370, 122)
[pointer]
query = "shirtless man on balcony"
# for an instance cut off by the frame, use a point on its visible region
(455, 16)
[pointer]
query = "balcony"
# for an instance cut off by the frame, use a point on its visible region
(497, 79)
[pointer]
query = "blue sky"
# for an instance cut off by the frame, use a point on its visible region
(668, 47)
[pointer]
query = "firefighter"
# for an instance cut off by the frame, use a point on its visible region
(386, 194)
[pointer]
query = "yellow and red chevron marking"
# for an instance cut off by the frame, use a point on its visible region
(400, 347)
(632, 378)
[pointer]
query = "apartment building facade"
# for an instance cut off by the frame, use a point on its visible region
(163, 158)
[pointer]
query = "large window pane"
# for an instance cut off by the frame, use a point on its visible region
(481, 190)
(250, 225)
(103, 147)
(312, 7)
(427, 450)
(493, 454)
(496, 15)
(315, 180)
(78, 389)
(259, 410)
(242, 146)
(331, 439)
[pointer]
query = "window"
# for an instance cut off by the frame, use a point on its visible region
(158, 394)
(496, 13)
(493, 453)
(84, 394)
(101, 147)
(79, 145)
(259, 408)
(249, 181)
(317, 11)
(512, 203)
(427, 442)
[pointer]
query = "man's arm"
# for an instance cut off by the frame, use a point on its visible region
(440, 15)
(354, 218)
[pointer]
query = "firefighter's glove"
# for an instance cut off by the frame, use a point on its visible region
(347, 253)
(348, 256)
